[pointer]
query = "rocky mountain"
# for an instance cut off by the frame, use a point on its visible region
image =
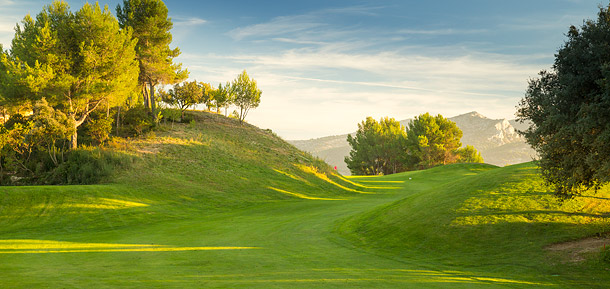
(496, 139)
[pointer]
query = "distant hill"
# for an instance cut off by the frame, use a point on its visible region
(496, 139)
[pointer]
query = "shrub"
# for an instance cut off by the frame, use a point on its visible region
(86, 165)
(135, 122)
(100, 128)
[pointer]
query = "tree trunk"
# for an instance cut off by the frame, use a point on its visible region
(74, 139)
(118, 118)
(145, 95)
(152, 103)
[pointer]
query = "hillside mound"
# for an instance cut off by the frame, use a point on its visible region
(213, 163)
(492, 218)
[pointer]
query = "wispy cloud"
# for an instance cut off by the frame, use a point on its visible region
(448, 31)
(315, 21)
(188, 21)
(278, 26)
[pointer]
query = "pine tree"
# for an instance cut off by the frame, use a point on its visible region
(151, 27)
(77, 61)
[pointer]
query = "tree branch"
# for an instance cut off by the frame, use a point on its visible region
(87, 112)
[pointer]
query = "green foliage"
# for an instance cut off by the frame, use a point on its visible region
(76, 60)
(208, 94)
(377, 148)
(469, 154)
(25, 142)
(246, 94)
(432, 141)
(223, 96)
(173, 115)
(135, 122)
(151, 28)
(570, 111)
(184, 96)
(51, 129)
(99, 128)
(86, 165)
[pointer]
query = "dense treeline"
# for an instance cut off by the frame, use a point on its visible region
(79, 78)
(387, 147)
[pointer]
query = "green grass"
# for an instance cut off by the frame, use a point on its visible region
(215, 204)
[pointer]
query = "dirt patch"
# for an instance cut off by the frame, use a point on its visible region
(575, 251)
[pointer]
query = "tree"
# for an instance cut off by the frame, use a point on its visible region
(48, 127)
(76, 61)
(151, 27)
(223, 97)
(469, 154)
(184, 96)
(246, 94)
(431, 141)
(377, 148)
(569, 107)
(208, 95)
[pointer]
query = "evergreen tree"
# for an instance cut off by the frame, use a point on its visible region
(377, 148)
(76, 61)
(569, 107)
(431, 141)
(151, 27)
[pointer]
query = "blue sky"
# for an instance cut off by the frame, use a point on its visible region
(324, 66)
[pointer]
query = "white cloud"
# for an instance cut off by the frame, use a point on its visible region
(468, 73)
(188, 21)
(313, 92)
(278, 26)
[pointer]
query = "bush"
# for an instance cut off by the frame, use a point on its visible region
(174, 115)
(86, 166)
(100, 128)
(135, 122)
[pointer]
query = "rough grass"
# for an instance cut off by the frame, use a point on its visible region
(219, 205)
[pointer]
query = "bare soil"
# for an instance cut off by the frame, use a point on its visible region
(575, 251)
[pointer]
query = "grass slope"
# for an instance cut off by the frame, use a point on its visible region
(218, 205)
(213, 164)
(499, 220)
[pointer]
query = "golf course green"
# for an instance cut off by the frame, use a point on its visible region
(216, 204)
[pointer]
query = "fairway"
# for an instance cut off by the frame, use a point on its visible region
(214, 204)
(291, 244)
(283, 244)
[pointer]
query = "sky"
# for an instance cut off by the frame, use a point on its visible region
(324, 66)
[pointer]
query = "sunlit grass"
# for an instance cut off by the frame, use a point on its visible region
(46, 246)
(95, 203)
(293, 176)
(301, 196)
(532, 202)
(369, 187)
(314, 171)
